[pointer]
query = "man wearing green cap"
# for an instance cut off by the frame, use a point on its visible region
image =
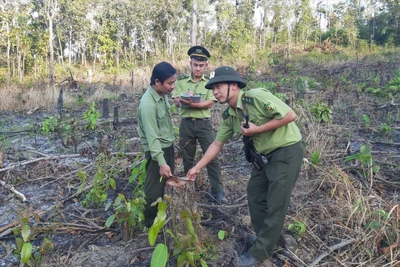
(276, 138)
(196, 124)
(157, 135)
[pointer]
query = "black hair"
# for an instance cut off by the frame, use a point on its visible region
(162, 71)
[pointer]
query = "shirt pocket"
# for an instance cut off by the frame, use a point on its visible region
(161, 115)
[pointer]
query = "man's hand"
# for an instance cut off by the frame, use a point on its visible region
(165, 171)
(192, 173)
(187, 102)
(251, 130)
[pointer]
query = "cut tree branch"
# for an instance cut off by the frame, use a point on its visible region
(330, 249)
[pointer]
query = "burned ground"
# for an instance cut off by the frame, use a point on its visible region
(346, 212)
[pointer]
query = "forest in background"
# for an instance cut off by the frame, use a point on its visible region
(41, 39)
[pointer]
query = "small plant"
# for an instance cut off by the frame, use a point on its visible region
(365, 157)
(29, 254)
(102, 181)
(128, 213)
(24, 247)
(386, 129)
(50, 124)
(321, 112)
(222, 234)
(366, 120)
(315, 157)
(80, 100)
(91, 116)
(297, 228)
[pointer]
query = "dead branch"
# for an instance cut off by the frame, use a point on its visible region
(331, 249)
(12, 189)
(23, 163)
(222, 206)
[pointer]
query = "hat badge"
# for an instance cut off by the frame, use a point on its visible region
(199, 50)
(212, 74)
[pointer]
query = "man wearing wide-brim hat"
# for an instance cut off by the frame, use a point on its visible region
(195, 103)
(276, 139)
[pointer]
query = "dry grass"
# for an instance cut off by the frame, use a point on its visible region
(337, 206)
(17, 99)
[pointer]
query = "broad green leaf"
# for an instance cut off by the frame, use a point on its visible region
(203, 263)
(26, 232)
(221, 234)
(160, 256)
(110, 220)
(103, 197)
(26, 252)
(189, 225)
(19, 243)
(152, 235)
(181, 260)
(190, 257)
(108, 206)
(365, 150)
(351, 157)
(113, 184)
(134, 174)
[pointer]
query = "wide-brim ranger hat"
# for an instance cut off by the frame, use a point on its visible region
(225, 74)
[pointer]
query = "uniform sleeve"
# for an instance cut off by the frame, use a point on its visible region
(210, 95)
(178, 88)
(271, 105)
(150, 127)
(225, 130)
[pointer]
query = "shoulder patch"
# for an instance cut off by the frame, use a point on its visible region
(225, 115)
(248, 100)
(183, 77)
(268, 107)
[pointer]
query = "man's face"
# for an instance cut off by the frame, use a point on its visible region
(220, 91)
(198, 67)
(167, 86)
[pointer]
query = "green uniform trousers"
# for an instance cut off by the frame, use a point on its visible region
(153, 187)
(189, 132)
(268, 194)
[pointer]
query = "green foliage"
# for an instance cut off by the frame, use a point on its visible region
(321, 112)
(101, 182)
(160, 256)
(29, 255)
(298, 228)
(386, 129)
(222, 234)
(91, 116)
(79, 100)
(159, 221)
(366, 120)
(367, 166)
(364, 155)
(130, 212)
(315, 157)
(50, 124)
(127, 212)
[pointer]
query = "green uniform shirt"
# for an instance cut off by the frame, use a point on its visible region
(155, 126)
(185, 83)
(261, 106)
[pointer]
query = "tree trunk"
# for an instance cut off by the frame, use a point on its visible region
(193, 33)
(8, 56)
(51, 50)
(181, 199)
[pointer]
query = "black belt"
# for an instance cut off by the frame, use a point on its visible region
(195, 119)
